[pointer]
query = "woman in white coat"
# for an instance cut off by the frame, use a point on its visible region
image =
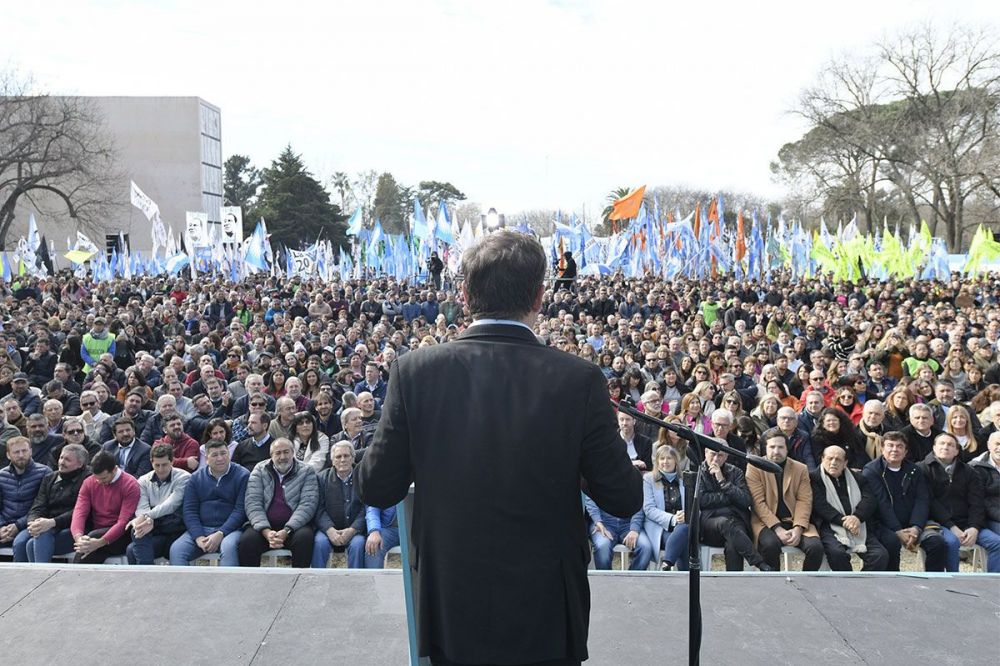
(663, 506)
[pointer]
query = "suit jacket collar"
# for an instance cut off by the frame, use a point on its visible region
(481, 331)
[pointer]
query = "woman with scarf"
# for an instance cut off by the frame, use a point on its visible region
(663, 506)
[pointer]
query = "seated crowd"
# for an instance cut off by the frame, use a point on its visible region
(162, 419)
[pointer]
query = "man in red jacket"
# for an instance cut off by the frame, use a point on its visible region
(185, 447)
(105, 505)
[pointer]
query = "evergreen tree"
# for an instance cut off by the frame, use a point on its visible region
(389, 205)
(295, 205)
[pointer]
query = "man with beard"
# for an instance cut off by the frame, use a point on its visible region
(47, 531)
(19, 483)
(782, 505)
(42, 443)
(281, 499)
(185, 448)
(134, 411)
(844, 508)
(131, 454)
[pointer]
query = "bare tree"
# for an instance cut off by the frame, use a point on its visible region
(54, 152)
(906, 132)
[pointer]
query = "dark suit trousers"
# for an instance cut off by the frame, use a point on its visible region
(253, 545)
(876, 559)
(438, 659)
(769, 546)
(114, 549)
(730, 533)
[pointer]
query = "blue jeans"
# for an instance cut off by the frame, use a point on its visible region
(603, 546)
(989, 538)
(42, 547)
(185, 549)
(149, 547)
(390, 539)
(322, 549)
(951, 558)
(675, 548)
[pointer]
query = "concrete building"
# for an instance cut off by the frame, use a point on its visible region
(171, 147)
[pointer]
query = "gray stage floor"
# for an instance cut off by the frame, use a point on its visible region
(206, 615)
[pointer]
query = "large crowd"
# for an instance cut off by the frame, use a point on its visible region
(161, 417)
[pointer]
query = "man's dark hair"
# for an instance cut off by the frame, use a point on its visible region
(503, 275)
(773, 433)
(139, 393)
(162, 451)
(214, 444)
(123, 420)
(103, 462)
(896, 436)
(170, 417)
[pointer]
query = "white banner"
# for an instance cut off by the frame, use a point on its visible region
(143, 203)
(232, 225)
(197, 229)
(302, 264)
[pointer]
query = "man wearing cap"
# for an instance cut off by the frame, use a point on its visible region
(30, 403)
(95, 343)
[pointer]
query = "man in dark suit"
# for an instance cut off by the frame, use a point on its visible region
(131, 454)
(528, 421)
(638, 446)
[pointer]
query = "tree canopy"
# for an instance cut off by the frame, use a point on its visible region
(296, 206)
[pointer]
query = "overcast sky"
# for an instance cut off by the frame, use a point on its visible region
(519, 104)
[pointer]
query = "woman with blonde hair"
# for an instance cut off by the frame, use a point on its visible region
(897, 408)
(958, 423)
(663, 507)
(706, 394)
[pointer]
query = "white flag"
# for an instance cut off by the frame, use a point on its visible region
(143, 203)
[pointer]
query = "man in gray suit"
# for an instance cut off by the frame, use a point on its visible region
(496, 430)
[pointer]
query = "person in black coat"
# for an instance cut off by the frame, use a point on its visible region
(131, 453)
(532, 420)
(844, 508)
(725, 511)
(52, 511)
(956, 497)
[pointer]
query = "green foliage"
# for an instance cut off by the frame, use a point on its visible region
(296, 206)
(613, 195)
(431, 192)
(390, 205)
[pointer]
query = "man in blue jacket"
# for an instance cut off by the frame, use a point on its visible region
(19, 482)
(214, 511)
(903, 505)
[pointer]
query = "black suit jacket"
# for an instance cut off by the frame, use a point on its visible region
(138, 462)
(643, 449)
(496, 430)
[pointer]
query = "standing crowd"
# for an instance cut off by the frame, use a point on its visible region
(166, 418)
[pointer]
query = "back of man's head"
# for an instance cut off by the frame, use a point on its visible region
(503, 275)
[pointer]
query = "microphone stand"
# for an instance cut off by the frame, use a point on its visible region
(693, 514)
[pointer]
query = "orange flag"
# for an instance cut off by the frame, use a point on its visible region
(741, 244)
(713, 216)
(628, 207)
(696, 226)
